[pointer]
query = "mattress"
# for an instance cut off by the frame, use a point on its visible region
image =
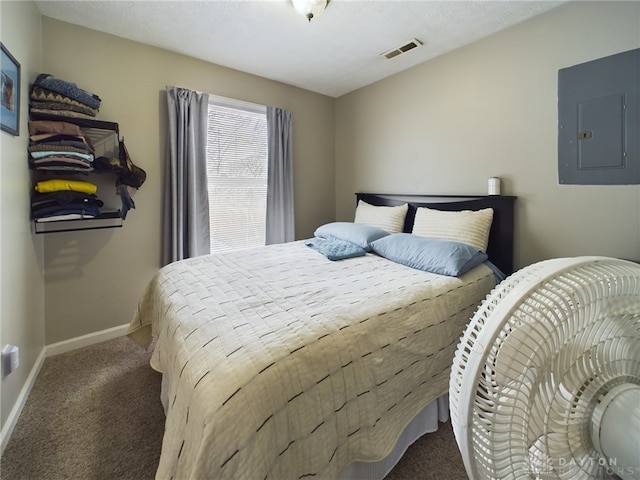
(283, 364)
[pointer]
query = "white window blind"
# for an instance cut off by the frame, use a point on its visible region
(236, 174)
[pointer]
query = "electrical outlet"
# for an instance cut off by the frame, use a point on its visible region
(10, 359)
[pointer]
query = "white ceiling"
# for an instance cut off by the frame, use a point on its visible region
(338, 52)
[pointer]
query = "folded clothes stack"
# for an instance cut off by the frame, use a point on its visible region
(59, 110)
(59, 146)
(52, 96)
(62, 199)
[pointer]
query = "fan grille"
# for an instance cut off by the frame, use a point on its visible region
(541, 351)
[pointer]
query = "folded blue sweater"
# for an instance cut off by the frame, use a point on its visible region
(68, 89)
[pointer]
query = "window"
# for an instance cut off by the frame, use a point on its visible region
(236, 174)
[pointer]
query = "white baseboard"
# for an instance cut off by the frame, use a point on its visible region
(49, 351)
(12, 419)
(86, 340)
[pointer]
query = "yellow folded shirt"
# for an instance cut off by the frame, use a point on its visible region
(58, 184)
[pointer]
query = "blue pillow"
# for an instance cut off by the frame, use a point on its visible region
(443, 257)
(357, 233)
(335, 248)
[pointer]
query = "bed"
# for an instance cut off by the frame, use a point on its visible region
(279, 363)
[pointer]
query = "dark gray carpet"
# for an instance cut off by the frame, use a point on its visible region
(95, 413)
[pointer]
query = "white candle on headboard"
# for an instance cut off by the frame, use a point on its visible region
(494, 186)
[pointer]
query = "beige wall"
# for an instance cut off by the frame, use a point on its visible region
(93, 278)
(21, 285)
(490, 109)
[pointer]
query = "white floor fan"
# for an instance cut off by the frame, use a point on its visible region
(545, 383)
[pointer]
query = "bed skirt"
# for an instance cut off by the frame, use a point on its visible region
(425, 422)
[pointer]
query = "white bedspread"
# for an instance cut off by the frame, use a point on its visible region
(283, 364)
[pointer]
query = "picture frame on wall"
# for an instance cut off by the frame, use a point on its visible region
(9, 92)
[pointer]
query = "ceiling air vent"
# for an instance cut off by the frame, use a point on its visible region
(394, 52)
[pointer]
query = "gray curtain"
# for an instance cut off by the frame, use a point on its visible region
(186, 205)
(280, 214)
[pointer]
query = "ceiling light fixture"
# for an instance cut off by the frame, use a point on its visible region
(309, 8)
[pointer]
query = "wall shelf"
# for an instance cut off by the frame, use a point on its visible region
(105, 220)
(104, 137)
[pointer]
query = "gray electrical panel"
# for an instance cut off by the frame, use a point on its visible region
(598, 121)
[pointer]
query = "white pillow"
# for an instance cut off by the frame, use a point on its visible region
(390, 219)
(467, 226)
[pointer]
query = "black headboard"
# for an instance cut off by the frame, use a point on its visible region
(500, 249)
